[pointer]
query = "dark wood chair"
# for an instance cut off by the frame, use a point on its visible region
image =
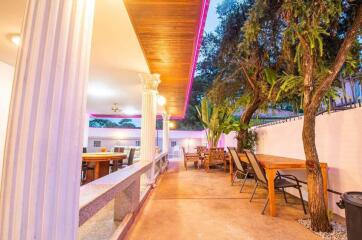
(201, 151)
(190, 157)
(116, 164)
(280, 182)
(86, 167)
(130, 158)
(215, 157)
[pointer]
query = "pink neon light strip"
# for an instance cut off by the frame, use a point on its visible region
(198, 42)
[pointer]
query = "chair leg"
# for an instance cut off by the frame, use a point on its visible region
(242, 185)
(301, 198)
(234, 176)
(252, 195)
(196, 164)
(265, 205)
(185, 164)
(285, 196)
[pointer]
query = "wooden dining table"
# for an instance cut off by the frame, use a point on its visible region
(101, 161)
(272, 164)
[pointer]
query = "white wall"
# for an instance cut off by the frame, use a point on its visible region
(6, 82)
(230, 139)
(110, 137)
(339, 144)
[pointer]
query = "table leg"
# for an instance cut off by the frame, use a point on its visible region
(96, 170)
(271, 173)
(325, 184)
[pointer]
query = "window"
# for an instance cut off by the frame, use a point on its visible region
(138, 143)
(173, 143)
(97, 143)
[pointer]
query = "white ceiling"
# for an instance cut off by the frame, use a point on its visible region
(116, 57)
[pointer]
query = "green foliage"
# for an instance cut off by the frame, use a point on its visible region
(105, 123)
(317, 28)
(126, 123)
(250, 140)
(217, 119)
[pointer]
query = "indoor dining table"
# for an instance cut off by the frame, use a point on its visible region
(272, 164)
(101, 161)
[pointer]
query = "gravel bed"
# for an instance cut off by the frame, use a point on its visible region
(339, 231)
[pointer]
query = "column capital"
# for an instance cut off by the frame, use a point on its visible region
(165, 116)
(150, 81)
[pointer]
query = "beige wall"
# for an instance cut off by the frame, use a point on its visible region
(339, 143)
(6, 82)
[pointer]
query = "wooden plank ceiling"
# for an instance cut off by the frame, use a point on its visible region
(168, 32)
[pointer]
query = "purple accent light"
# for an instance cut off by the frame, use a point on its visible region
(198, 41)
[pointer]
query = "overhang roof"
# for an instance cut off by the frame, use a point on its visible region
(170, 33)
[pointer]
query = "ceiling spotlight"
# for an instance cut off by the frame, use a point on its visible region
(161, 100)
(171, 125)
(16, 40)
(115, 107)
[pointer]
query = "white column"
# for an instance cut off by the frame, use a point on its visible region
(39, 197)
(6, 83)
(150, 83)
(165, 132)
(86, 131)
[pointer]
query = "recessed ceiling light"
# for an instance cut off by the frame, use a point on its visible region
(16, 40)
(161, 100)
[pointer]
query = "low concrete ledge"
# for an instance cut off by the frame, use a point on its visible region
(95, 195)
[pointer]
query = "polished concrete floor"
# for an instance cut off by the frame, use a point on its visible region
(194, 204)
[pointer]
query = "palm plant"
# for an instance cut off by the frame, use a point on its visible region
(217, 119)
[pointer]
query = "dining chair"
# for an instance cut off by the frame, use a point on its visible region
(280, 182)
(116, 164)
(242, 169)
(130, 158)
(85, 168)
(216, 156)
(201, 151)
(190, 157)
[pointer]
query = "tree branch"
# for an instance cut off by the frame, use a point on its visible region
(247, 77)
(340, 58)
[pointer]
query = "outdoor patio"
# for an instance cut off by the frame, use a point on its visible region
(142, 119)
(194, 204)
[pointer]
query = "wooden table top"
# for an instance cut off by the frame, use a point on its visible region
(277, 162)
(103, 156)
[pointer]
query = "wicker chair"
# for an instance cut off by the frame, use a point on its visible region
(190, 157)
(215, 157)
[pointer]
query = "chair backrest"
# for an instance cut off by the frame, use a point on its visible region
(236, 159)
(201, 150)
(118, 149)
(131, 156)
(103, 149)
(183, 150)
(216, 155)
(258, 169)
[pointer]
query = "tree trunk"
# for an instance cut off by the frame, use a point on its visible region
(317, 207)
(245, 120)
